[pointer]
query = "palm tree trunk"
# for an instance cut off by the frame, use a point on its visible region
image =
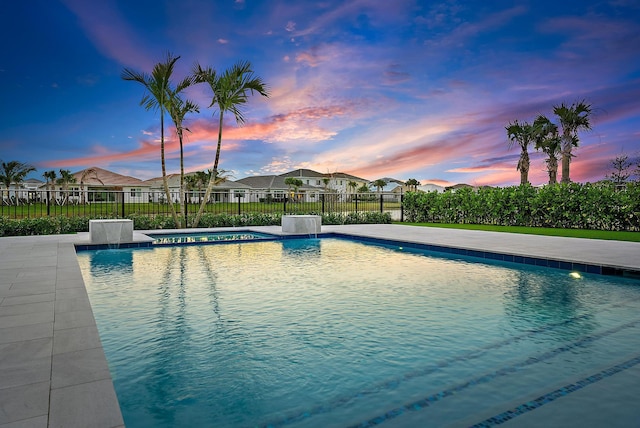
(553, 170)
(566, 159)
(165, 183)
(183, 211)
(523, 166)
(214, 174)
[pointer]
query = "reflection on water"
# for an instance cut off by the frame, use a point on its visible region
(538, 298)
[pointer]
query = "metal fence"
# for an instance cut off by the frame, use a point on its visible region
(122, 204)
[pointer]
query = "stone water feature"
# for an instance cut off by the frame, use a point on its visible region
(112, 232)
(301, 224)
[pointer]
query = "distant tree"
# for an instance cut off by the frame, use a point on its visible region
(364, 189)
(522, 134)
(326, 181)
(621, 170)
(352, 185)
(636, 171)
(50, 177)
(548, 140)
(379, 184)
(412, 184)
(65, 179)
(158, 86)
(573, 118)
(296, 183)
(231, 92)
(13, 172)
(91, 173)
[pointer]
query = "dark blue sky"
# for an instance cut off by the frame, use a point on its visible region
(404, 89)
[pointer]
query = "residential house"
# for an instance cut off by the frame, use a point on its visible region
(22, 192)
(273, 187)
(224, 191)
(96, 185)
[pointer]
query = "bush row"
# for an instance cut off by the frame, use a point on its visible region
(601, 206)
(61, 225)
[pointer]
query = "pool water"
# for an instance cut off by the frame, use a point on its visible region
(204, 237)
(330, 332)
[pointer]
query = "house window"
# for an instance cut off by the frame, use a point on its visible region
(317, 182)
(307, 181)
(136, 193)
(238, 193)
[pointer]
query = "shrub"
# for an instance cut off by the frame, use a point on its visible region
(574, 205)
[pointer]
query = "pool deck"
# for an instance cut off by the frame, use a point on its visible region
(53, 371)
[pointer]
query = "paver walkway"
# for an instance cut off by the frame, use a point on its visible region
(53, 372)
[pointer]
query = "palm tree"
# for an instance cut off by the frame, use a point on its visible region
(177, 110)
(379, 183)
(326, 181)
(412, 183)
(158, 86)
(523, 134)
(572, 118)
(13, 172)
(352, 185)
(65, 179)
(86, 173)
(548, 140)
(50, 176)
(296, 183)
(231, 92)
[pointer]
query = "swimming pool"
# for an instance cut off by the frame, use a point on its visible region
(330, 332)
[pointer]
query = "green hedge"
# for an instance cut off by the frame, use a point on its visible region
(600, 206)
(60, 225)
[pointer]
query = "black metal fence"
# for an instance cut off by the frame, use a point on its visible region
(122, 204)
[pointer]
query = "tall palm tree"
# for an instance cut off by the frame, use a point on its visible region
(13, 172)
(158, 86)
(352, 185)
(65, 179)
(231, 92)
(178, 109)
(50, 177)
(547, 139)
(523, 134)
(573, 118)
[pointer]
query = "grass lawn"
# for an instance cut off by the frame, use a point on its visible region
(572, 233)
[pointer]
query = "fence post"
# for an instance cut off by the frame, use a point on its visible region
(284, 210)
(322, 199)
(186, 209)
(123, 204)
(356, 203)
(239, 196)
(381, 203)
(402, 208)
(48, 203)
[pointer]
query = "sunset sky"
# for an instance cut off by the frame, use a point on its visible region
(402, 88)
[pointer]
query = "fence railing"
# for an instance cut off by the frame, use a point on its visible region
(122, 204)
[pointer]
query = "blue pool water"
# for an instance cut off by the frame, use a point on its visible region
(330, 332)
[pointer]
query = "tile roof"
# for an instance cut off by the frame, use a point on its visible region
(95, 176)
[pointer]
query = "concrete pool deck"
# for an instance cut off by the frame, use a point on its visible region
(53, 371)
